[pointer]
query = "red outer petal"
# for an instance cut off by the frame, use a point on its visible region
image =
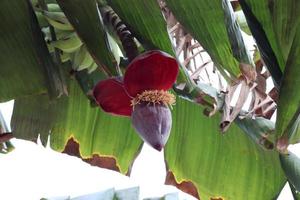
(153, 70)
(111, 96)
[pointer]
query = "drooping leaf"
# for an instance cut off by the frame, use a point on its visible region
(21, 72)
(262, 11)
(289, 96)
(260, 23)
(211, 34)
(145, 21)
(73, 117)
(278, 23)
(85, 18)
(286, 19)
(295, 193)
(220, 165)
(238, 46)
(54, 72)
(291, 166)
(261, 130)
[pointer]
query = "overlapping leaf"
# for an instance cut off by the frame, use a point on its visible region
(289, 96)
(146, 22)
(295, 193)
(21, 72)
(205, 21)
(220, 165)
(280, 22)
(85, 18)
(263, 12)
(291, 165)
(96, 132)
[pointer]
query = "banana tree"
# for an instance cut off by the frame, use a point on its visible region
(100, 77)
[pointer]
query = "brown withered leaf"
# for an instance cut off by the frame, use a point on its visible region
(72, 149)
(185, 186)
(216, 198)
(274, 94)
(248, 71)
(282, 144)
(4, 137)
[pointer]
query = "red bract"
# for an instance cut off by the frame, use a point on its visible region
(153, 70)
(145, 83)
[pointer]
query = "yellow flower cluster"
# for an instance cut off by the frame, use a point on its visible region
(155, 97)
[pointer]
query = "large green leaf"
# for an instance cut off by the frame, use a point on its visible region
(295, 193)
(261, 130)
(280, 23)
(85, 18)
(265, 38)
(145, 21)
(230, 166)
(21, 72)
(205, 21)
(262, 11)
(291, 166)
(289, 96)
(72, 116)
(286, 18)
(239, 49)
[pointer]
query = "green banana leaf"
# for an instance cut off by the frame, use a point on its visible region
(280, 22)
(295, 193)
(84, 17)
(239, 49)
(230, 166)
(145, 21)
(289, 96)
(263, 11)
(291, 166)
(205, 21)
(286, 20)
(72, 117)
(265, 39)
(261, 130)
(19, 59)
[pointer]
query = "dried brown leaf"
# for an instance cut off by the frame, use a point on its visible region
(185, 186)
(72, 149)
